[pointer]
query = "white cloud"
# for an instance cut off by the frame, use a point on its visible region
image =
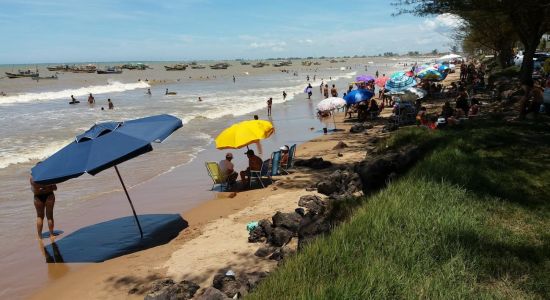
(441, 23)
(306, 41)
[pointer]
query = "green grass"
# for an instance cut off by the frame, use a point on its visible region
(471, 220)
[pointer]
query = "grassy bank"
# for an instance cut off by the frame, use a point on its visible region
(471, 220)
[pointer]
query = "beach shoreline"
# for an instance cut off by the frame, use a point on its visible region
(215, 240)
(295, 122)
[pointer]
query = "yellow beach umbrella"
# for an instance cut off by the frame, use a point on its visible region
(243, 134)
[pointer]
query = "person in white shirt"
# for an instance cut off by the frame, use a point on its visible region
(228, 169)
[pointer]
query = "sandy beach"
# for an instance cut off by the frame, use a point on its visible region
(216, 239)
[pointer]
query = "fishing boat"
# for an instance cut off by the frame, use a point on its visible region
(245, 63)
(333, 61)
(198, 67)
(176, 67)
(83, 69)
(316, 63)
(307, 63)
(137, 66)
(21, 74)
(110, 70)
(220, 66)
(58, 68)
(259, 65)
(285, 63)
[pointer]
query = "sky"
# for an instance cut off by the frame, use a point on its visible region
(35, 31)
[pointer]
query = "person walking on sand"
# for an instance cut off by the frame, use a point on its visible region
(110, 103)
(284, 95)
(269, 103)
(44, 201)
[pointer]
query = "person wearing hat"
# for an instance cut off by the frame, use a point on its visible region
(284, 156)
(254, 163)
(228, 169)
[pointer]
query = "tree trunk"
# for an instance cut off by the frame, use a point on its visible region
(528, 55)
(504, 57)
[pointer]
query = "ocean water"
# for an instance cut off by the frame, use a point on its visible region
(36, 121)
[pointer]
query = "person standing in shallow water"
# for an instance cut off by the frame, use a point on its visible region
(111, 105)
(284, 95)
(269, 103)
(44, 201)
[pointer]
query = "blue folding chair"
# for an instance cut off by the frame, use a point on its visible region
(275, 163)
(290, 161)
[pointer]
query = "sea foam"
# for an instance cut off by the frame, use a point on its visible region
(111, 87)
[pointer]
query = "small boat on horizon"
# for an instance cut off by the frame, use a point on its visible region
(220, 66)
(176, 67)
(22, 74)
(259, 65)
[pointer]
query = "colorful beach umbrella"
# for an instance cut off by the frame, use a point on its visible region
(430, 74)
(357, 96)
(400, 83)
(381, 81)
(414, 93)
(103, 146)
(243, 134)
(364, 78)
(331, 103)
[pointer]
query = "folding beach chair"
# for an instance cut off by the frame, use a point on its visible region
(258, 174)
(290, 161)
(275, 163)
(215, 173)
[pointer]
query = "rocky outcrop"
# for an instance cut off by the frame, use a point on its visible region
(340, 184)
(314, 204)
(290, 221)
(229, 285)
(167, 289)
(374, 174)
(211, 293)
(316, 163)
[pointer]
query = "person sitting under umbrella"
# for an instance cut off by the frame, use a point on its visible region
(228, 169)
(284, 155)
(254, 163)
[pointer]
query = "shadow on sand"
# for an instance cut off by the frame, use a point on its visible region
(114, 238)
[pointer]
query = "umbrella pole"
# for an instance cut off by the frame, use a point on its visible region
(129, 200)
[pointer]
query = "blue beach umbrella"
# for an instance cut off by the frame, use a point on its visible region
(430, 74)
(103, 146)
(399, 83)
(357, 96)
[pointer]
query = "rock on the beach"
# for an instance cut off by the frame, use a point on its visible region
(229, 285)
(265, 250)
(253, 279)
(290, 221)
(368, 125)
(167, 289)
(312, 203)
(211, 293)
(340, 145)
(357, 128)
(280, 236)
(266, 226)
(316, 163)
(256, 235)
(300, 211)
(312, 226)
(327, 187)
